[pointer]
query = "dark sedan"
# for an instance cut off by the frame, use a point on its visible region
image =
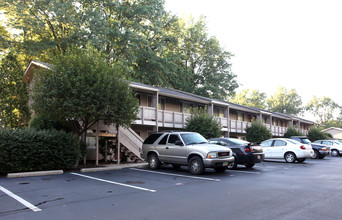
(245, 153)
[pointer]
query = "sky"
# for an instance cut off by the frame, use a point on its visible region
(296, 44)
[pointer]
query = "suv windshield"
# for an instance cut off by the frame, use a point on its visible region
(193, 138)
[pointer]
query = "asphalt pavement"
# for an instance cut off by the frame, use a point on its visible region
(271, 190)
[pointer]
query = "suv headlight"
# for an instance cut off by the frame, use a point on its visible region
(212, 155)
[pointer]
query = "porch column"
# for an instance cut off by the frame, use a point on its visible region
(156, 101)
(97, 144)
(228, 124)
(211, 109)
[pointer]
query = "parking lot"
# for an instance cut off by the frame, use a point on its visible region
(270, 190)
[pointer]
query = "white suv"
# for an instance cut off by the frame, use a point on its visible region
(185, 148)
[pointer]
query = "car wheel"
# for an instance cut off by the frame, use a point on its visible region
(315, 155)
(232, 166)
(196, 165)
(301, 160)
(153, 161)
(290, 157)
(321, 156)
(220, 169)
(250, 165)
(334, 153)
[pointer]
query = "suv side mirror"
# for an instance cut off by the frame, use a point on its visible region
(179, 143)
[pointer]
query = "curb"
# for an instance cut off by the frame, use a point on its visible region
(36, 173)
(116, 167)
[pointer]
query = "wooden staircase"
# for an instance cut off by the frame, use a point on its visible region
(129, 143)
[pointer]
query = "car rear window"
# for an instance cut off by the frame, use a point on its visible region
(152, 138)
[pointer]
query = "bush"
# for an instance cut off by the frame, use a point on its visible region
(316, 134)
(32, 150)
(201, 122)
(291, 131)
(257, 133)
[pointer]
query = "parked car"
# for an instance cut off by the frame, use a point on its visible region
(185, 148)
(245, 153)
(286, 148)
(335, 146)
(320, 150)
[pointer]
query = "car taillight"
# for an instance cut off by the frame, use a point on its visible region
(247, 149)
(302, 147)
(324, 149)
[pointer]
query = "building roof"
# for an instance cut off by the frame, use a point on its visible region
(28, 74)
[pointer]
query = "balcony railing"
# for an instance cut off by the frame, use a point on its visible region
(170, 119)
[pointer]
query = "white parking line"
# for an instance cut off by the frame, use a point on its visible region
(116, 183)
(242, 171)
(21, 200)
(171, 174)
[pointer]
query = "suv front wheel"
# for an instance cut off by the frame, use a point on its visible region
(153, 161)
(196, 165)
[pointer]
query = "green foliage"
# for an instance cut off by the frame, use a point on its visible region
(316, 134)
(14, 112)
(252, 98)
(40, 122)
(201, 122)
(31, 150)
(257, 133)
(291, 131)
(284, 101)
(145, 42)
(82, 87)
(323, 108)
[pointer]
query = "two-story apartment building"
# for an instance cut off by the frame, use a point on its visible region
(168, 109)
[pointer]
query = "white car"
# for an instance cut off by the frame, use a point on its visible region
(290, 150)
(335, 146)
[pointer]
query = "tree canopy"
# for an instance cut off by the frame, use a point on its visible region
(285, 101)
(150, 45)
(14, 112)
(82, 87)
(252, 98)
(323, 108)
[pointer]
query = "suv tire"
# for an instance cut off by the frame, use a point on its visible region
(153, 161)
(196, 165)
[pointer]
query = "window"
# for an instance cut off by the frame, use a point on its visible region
(161, 104)
(173, 138)
(149, 101)
(163, 140)
(279, 143)
(241, 116)
(266, 143)
(186, 107)
(219, 112)
(152, 138)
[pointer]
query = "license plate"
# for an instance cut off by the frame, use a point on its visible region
(225, 164)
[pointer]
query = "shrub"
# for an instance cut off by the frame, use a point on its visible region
(32, 150)
(201, 122)
(291, 131)
(40, 122)
(257, 133)
(316, 134)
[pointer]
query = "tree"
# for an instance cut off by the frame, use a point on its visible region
(257, 133)
(291, 131)
(316, 134)
(284, 101)
(82, 87)
(201, 122)
(323, 108)
(204, 64)
(252, 98)
(14, 112)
